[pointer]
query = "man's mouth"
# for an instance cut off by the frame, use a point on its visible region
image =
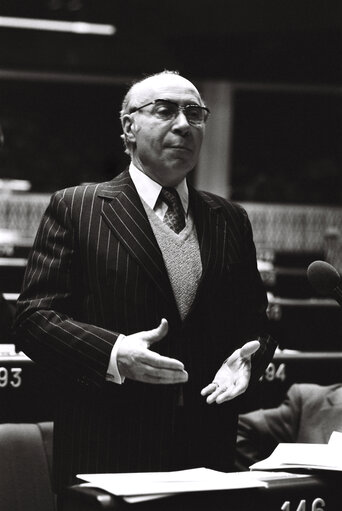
(179, 147)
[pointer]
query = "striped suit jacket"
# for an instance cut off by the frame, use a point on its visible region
(96, 271)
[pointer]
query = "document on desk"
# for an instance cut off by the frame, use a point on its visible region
(288, 456)
(135, 487)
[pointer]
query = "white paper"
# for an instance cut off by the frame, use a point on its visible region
(305, 455)
(335, 441)
(143, 485)
(251, 479)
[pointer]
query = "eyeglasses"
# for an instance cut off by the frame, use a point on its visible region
(167, 110)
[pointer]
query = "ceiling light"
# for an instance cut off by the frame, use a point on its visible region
(75, 27)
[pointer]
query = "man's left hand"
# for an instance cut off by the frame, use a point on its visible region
(233, 377)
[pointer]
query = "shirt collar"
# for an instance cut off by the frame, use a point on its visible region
(149, 190)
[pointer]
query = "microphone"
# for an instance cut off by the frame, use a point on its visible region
(325, 279)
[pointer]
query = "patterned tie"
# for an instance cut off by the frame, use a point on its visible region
(174, 216)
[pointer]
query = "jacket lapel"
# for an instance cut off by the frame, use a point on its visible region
(125, 215)
(211, 228)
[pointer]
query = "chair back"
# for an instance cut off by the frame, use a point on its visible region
(25, 467)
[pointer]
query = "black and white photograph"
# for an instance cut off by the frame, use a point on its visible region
(170, 255)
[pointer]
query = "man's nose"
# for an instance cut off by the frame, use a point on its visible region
(181, 122)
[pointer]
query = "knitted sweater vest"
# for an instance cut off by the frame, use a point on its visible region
(182, 259)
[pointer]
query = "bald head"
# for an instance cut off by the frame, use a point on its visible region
(142, 90)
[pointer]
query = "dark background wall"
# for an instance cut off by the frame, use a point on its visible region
(281, 40)
(60, 93)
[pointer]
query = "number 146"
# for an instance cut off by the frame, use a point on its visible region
(317, 505)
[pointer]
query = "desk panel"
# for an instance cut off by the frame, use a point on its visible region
(313, 324)
(286, 368)
(12, 273)
(316, 493)
(24, 393)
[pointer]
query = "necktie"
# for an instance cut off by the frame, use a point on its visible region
(174, 216)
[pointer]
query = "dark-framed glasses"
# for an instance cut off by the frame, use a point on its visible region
(167, 110)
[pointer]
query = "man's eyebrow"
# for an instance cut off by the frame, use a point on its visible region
(194, 102)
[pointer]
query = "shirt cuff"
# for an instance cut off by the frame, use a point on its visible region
(113, 373)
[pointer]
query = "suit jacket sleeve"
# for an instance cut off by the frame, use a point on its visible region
(250, 295)
(255, 324)
(260, 431)
(45, 328)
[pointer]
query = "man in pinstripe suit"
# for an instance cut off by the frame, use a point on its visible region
(136, 321)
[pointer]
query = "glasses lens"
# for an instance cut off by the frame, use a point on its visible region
(195, 114)
(165, 110)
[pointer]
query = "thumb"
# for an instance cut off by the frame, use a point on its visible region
(249, 348)
(156, 334)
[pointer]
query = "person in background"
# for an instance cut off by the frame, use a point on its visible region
(143, 300)
(308, 414)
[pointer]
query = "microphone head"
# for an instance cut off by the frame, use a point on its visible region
(323, 277)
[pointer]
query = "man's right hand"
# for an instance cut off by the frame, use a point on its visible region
(136, 361)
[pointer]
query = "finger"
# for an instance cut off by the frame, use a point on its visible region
(230, 393)
(226, 396)
(215, 395)
(212, 391)
(249, 348)
(209, 389)
(156, 334)
(157, 361)
(164, 376)
(244, 353)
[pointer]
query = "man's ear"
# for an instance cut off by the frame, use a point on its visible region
(128, 128)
